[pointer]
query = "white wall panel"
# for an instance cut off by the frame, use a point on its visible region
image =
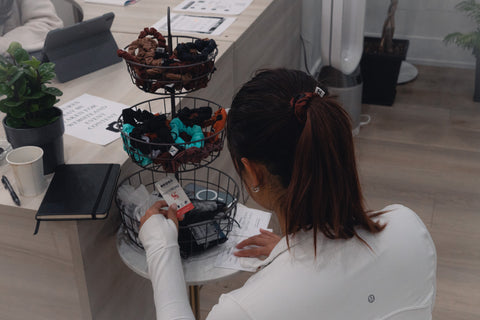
(425, 23)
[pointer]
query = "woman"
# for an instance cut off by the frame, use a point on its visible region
(26, 22)
(293, 148)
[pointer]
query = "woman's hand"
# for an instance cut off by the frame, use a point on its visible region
(260, 245)
(158, 208)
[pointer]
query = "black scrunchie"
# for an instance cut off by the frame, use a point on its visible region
(197, 51)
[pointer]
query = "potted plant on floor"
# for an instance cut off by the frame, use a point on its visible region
(381, 61)
(469, 41)
(31, 117)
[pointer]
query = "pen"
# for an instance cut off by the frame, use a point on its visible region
(8, 186)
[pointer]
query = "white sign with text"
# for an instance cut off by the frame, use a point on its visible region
(92, 118)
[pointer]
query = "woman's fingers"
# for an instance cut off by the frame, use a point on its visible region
(252, 241)
(258, 245)
(252, 252)
(172, 213)
(158, 208)
(265, 237)
(268, 233)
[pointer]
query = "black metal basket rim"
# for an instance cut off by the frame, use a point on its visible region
(173, 82)
(188, 179)
(235, 185)
(164, 144)
(213, 136)
(215, 53)
(183, 66)
(169, 97)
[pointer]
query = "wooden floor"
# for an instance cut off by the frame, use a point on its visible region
(424, 152)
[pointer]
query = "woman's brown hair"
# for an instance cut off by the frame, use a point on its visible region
(307, 145)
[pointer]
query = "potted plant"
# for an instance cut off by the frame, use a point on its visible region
(381, 61)
(469, 41)
(31, 117)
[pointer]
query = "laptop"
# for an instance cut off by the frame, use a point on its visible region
(81, 48)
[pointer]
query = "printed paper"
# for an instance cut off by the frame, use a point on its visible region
(222, 7)
(250, 220)
(92, 119)
(182, 23)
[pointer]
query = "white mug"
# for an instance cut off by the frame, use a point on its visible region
(27, 166)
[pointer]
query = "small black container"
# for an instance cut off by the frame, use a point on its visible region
(380, 71)
(49, 138)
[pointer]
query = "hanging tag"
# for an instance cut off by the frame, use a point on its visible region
(319, 91)
(173, 151)
(172, 192)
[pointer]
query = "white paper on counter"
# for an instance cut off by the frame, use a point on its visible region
(182, 23)
(222, 7)
(250, 220)
(92, 119)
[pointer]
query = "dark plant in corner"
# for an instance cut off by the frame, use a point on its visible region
(28, 102)
(471, 40)
(386, 42)
(381, 61)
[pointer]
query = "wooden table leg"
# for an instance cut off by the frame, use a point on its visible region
(194, 293)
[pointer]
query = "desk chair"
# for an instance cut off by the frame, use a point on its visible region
(69, 11)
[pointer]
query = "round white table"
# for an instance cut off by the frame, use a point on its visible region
(199, 269)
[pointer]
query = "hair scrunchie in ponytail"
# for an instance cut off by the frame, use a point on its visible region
(300, 103)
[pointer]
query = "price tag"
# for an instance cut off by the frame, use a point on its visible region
(172, 192)
(173, 151)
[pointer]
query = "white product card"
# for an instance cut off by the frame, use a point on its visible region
(172, 192)
(92, 119)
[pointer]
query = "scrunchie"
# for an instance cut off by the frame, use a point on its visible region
(300, 105)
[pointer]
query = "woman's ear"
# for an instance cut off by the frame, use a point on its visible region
(252, 174)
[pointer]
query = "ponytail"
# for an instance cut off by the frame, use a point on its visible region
(305, 140)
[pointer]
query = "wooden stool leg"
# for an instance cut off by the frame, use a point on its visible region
(194, 293)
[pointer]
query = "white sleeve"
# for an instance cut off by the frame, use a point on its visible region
(38, 17)
(159, 238)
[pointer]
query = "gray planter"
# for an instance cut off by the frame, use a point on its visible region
(49, 138)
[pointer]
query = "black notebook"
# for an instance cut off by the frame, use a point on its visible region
(79, 191)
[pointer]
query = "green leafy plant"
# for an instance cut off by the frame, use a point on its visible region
(27, 101)
(471, 40)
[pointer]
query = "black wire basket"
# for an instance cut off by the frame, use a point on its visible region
(198, 231)
(179, 77)
(175, 157)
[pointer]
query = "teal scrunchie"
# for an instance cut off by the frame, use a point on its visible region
(195, 132)
(137, 155)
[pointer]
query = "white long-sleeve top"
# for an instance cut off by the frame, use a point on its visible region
(28, 23)
(346, 280)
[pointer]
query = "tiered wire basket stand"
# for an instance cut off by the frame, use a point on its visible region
(188, 161)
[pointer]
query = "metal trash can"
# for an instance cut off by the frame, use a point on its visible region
(348, 89)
